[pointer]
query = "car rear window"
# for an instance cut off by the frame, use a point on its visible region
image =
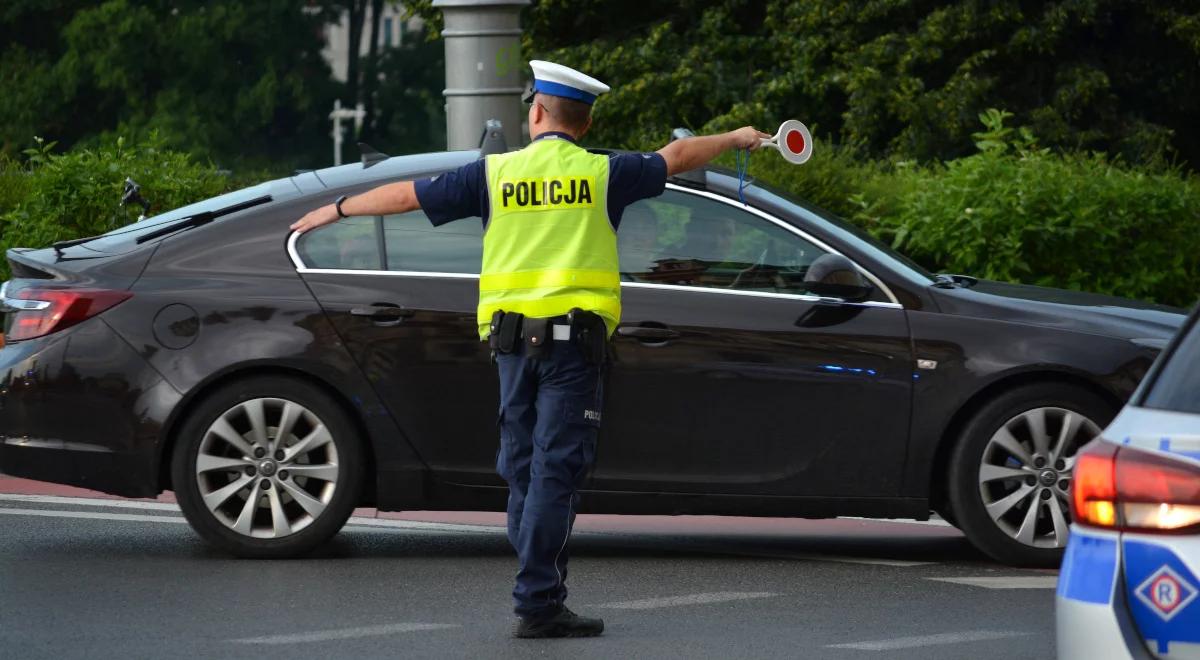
(1177, 386)
(125, 238)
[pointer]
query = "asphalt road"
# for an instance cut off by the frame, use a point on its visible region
(84, 578)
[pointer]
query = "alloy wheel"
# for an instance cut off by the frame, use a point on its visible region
(1025, 474)
(267, 468)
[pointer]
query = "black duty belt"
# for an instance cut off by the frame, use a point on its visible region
(586, 329)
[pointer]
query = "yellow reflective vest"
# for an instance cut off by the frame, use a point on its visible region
(549, 246)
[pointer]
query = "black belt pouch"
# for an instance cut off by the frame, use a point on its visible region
(590, 334)
(494, 331)
(537, 339)
(510, 332)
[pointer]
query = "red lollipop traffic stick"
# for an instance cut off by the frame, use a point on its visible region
(793, 141)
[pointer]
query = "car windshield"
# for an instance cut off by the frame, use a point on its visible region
(770, 196)
(1177, 386)
(125, 238)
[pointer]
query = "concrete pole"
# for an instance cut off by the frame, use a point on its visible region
(484, 69)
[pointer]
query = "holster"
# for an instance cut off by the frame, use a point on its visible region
(590, 334)
(505, 331)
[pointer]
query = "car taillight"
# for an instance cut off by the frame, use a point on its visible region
(1127, 489)
(1094, 485)
(37, 311)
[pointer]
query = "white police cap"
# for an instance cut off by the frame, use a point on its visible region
(558, 80)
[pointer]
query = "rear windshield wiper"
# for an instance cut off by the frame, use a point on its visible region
(187, 222)
(202, 218)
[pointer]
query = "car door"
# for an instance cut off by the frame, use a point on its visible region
(402, 296)
(730, 379)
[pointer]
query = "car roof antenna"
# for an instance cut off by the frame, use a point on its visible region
(694, 177)
(371, 155)
(492, 141)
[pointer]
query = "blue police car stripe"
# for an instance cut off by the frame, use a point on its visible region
(1165, 444)
(556, 89)
(1162, 594)
(1089, 569)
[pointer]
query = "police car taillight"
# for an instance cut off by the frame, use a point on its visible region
(1127, 489)
(38, 311)
(1094, 485)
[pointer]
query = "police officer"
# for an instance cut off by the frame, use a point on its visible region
(549, 299)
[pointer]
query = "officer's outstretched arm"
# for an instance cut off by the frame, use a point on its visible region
(399, 197)
(690, 153)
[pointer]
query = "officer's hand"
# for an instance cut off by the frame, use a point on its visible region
(316, 218)
(747, 137)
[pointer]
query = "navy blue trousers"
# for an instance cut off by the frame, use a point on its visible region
(549, 422)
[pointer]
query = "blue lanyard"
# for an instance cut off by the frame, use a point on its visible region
(743, 164)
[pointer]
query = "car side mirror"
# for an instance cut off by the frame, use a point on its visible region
(835, 276)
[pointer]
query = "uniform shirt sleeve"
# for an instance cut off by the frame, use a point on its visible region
(456, 194)
(632, 177)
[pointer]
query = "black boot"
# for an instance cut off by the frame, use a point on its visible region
(564, 623)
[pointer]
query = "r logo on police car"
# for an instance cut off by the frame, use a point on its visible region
(1166, 592)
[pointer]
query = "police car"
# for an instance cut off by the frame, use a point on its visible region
(1130, 580)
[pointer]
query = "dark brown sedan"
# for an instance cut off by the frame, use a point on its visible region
(276, 383)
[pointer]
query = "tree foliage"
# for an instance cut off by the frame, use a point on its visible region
(242, 83)
(903, 78)
(1019, 212)
(221, 78)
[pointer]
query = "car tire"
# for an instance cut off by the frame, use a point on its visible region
(1009, 494)
(304, 485)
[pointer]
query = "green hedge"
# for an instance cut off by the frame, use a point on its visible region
(1018, 213)
(53, 197)
(1011, 212)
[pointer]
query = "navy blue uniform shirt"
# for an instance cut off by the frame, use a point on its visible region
(462, 193)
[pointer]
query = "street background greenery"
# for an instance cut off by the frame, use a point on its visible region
(1043, 142)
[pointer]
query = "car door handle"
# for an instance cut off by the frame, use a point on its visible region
(645, 333)
(382, 313)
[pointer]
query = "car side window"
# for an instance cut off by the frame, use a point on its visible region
(690, 240)
(1178, 384)
(349, 244)
(409, 243)
(413, 244)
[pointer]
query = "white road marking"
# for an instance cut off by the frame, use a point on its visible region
(89, 501)
(358, 524)
(96, 516)
(810, 556)
(426, 526)
(936, 522)
(167, 506)
(433, 526)
(129, 517)
(345, 633)
(930, 640)
(1011, 582)
(900, 563)
(692, 599)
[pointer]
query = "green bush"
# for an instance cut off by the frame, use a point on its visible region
(830, 179)
(1018, 213)
(54, 197)
(14, 184)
